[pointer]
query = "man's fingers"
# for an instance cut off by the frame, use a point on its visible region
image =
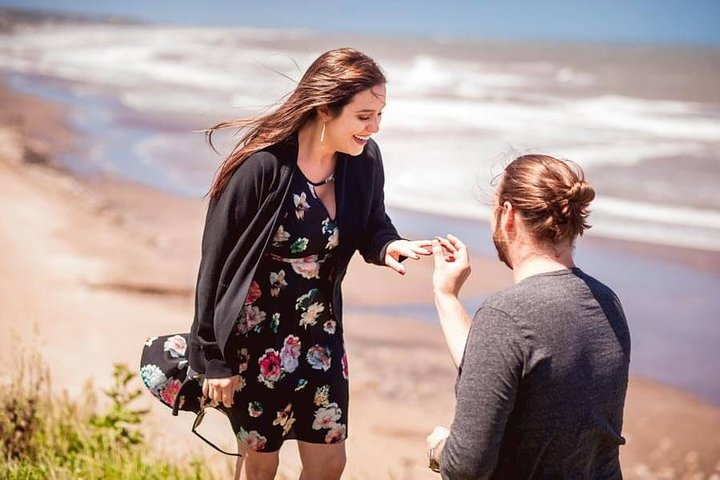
(206, 388)
(437, 251)
(456, 242)
(448, 245)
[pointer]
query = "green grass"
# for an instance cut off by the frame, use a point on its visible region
(44, 435)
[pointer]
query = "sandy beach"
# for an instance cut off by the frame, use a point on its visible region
(92, 266)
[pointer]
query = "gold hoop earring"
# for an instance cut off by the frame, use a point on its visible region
(322, 134)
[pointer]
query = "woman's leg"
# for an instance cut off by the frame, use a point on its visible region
(256, 465)
(322, 461)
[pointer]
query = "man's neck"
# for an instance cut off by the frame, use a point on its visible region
(535, 261)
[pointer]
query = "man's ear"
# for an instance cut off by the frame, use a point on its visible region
(507, 217)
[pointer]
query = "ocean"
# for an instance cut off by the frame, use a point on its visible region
(642, 120)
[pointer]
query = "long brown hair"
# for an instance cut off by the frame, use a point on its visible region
(332, 80)
(551, 195)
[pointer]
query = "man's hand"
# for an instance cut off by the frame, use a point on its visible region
(435, 443)
(452, 265)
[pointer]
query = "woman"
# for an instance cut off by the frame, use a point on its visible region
(300, 193)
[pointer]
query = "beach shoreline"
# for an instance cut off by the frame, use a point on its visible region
(115, 262)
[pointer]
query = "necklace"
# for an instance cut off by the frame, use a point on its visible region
(329, 179)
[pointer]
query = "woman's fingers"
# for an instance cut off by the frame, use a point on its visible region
(395, 265)
(422, 250)
(220, 390)
(227, 394)
(423, 247)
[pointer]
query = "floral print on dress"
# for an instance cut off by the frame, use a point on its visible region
(310, 310)
(252, 440)
(255, 409)
(270, 368)
(326, 417)
(330, 228)
(244, 360)
(253, 293)
(277, 282)
(275, 322)
(299, 245)
(285, 419)
(290, 353)
(308, 267)
(330, 326)
(251, 320)
(322, 396)
(280, 236)
(319, 357)
(287, 339)
(301, 205)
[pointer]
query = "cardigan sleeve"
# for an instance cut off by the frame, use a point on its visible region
(227, 216)
(380, 230)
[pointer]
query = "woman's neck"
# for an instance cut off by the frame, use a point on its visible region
(312, 153)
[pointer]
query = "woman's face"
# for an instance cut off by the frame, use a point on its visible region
(350, 131)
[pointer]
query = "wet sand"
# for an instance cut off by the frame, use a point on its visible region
(92, 267)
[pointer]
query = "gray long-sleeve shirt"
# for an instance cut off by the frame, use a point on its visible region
(541, 388)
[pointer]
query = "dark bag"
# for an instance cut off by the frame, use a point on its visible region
(165, 371)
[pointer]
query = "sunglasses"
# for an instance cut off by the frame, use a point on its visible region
(198, 420)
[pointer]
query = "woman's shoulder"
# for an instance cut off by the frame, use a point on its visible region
(370, 160)
(261, 161)
(267, 160)
(372, 151)
(259, 170)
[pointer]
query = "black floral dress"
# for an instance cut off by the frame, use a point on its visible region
(293, 364)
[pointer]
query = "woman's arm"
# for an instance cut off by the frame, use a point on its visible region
(379, 231)
(380, 243)
(227, 217)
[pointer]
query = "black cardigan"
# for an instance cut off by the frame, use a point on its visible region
(240, 223)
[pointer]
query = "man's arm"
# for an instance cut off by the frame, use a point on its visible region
(487, 385)
(452, 268)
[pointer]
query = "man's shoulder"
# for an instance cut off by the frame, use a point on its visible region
(509, 300)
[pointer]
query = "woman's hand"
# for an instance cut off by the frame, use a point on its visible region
(452, 265)
(405, 248)
(221, 390)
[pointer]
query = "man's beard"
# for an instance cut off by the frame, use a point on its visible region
(501, 247)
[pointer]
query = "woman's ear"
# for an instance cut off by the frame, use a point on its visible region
(323, 113)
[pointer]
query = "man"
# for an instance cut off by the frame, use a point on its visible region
(543, 367)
